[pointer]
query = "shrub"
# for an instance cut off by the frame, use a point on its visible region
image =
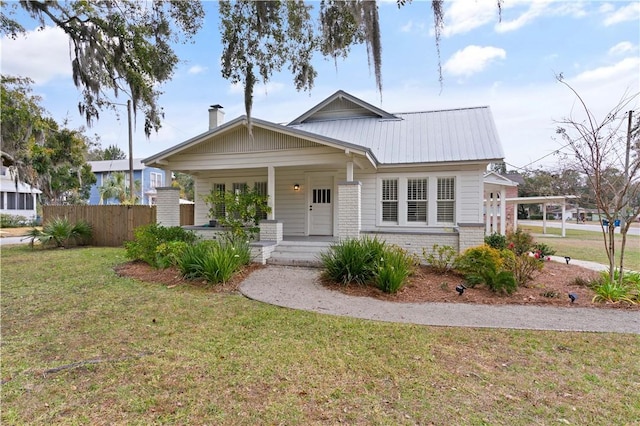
(542, 250)
(393, 269)
(520, 242)
(612, 292)
(441, 258)
(484, 265)
(60, 232)
(523, 267)
(352, 260)
(496, 241)
(13, 221)
(169, 253)
(147, 239)
(212, 260)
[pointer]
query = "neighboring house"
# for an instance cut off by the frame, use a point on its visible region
(17, 200)
(346, 168)
(149, 178)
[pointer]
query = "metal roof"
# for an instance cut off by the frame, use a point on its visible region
(466, 134)
(115, 165)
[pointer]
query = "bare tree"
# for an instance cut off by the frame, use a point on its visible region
(607, 151)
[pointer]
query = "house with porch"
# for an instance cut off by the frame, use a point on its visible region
(146, 179)
(346, 169)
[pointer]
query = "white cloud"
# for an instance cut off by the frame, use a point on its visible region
(536, 9)
(630, 12)
(41, 55)
(406, 28)
(609, 72)
(621, 48)
(472, 59)
(464, 15)
(196, 69)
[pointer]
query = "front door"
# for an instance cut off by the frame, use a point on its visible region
(321, 206)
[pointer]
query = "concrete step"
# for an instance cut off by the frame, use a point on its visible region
(298, 253)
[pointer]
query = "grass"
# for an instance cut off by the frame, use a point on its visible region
(587, 245)
(150, 354)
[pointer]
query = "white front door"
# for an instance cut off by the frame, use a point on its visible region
(321, 206)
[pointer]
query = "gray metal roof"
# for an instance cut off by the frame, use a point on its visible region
(466, 134)
(115, 165)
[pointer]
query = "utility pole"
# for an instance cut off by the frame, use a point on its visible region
(131, 185)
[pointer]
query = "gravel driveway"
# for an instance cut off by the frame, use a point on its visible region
(298, 288)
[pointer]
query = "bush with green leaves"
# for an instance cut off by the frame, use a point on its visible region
(352, 260)
(496, 241)
(214, 261)
(484, 265)
(523, 267)
(440, 258)
(241, 212)
(147, 238)
(542, 250)
(13, 221)
(520, 242)
(614, 292)
(393, 269)
(168, 254)
(60, 232)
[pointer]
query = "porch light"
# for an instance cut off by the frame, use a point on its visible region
(296, 187)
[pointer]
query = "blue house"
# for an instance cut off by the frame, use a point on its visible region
(149, 178)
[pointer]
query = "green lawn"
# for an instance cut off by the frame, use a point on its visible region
(149, 354)
(587, 245)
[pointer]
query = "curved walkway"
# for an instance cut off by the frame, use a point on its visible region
(298, 288)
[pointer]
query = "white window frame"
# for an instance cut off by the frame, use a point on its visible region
(153, 177)
(389, 200)
(403, 201)
(440, 201)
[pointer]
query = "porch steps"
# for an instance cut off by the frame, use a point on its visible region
(298, 253)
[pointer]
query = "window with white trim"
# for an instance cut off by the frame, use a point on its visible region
(261, 189)
(417, 196)
(446, 200)
(390, 200)
(219, 208)
(155, 180)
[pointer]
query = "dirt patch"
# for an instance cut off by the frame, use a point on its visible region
(171, 276)
(550, 287)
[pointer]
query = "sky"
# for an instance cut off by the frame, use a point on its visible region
(508, 64)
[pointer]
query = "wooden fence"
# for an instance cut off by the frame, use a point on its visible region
(112, 225)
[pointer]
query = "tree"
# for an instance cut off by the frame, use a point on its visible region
(21, 126)
(185, 183)
(116, 47)
(116, 187)
(112, 152)
(59, 164)
(608, 153)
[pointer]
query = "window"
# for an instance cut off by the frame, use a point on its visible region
(261, 189)
(2, 200)
(322, 196)
(238, 187)
(155, 180)
(220, 211)
(390, 200)
(417, 190)
(11, 200)
(29, 201)
(446, 200)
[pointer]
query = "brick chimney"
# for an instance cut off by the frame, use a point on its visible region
(216, 116)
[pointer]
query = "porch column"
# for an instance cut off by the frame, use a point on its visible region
(168, 206)
(349, 171)
(271, 230)
(271, 192)
(515, 217)
(487, 214)
(544, 218)
(562, 218)
(503, 211)
(349, 209)
(494, 212)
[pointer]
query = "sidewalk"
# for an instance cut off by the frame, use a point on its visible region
(298, 288)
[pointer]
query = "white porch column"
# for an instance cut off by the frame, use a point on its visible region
(349, 209)
(349, 171)
(563, 213)
(271, 192)
(168, 206)
(544, 218)
(515, 217)
(503, 211)
(494, 212)
(487, 214)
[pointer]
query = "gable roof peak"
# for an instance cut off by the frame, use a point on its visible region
(342, 105)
